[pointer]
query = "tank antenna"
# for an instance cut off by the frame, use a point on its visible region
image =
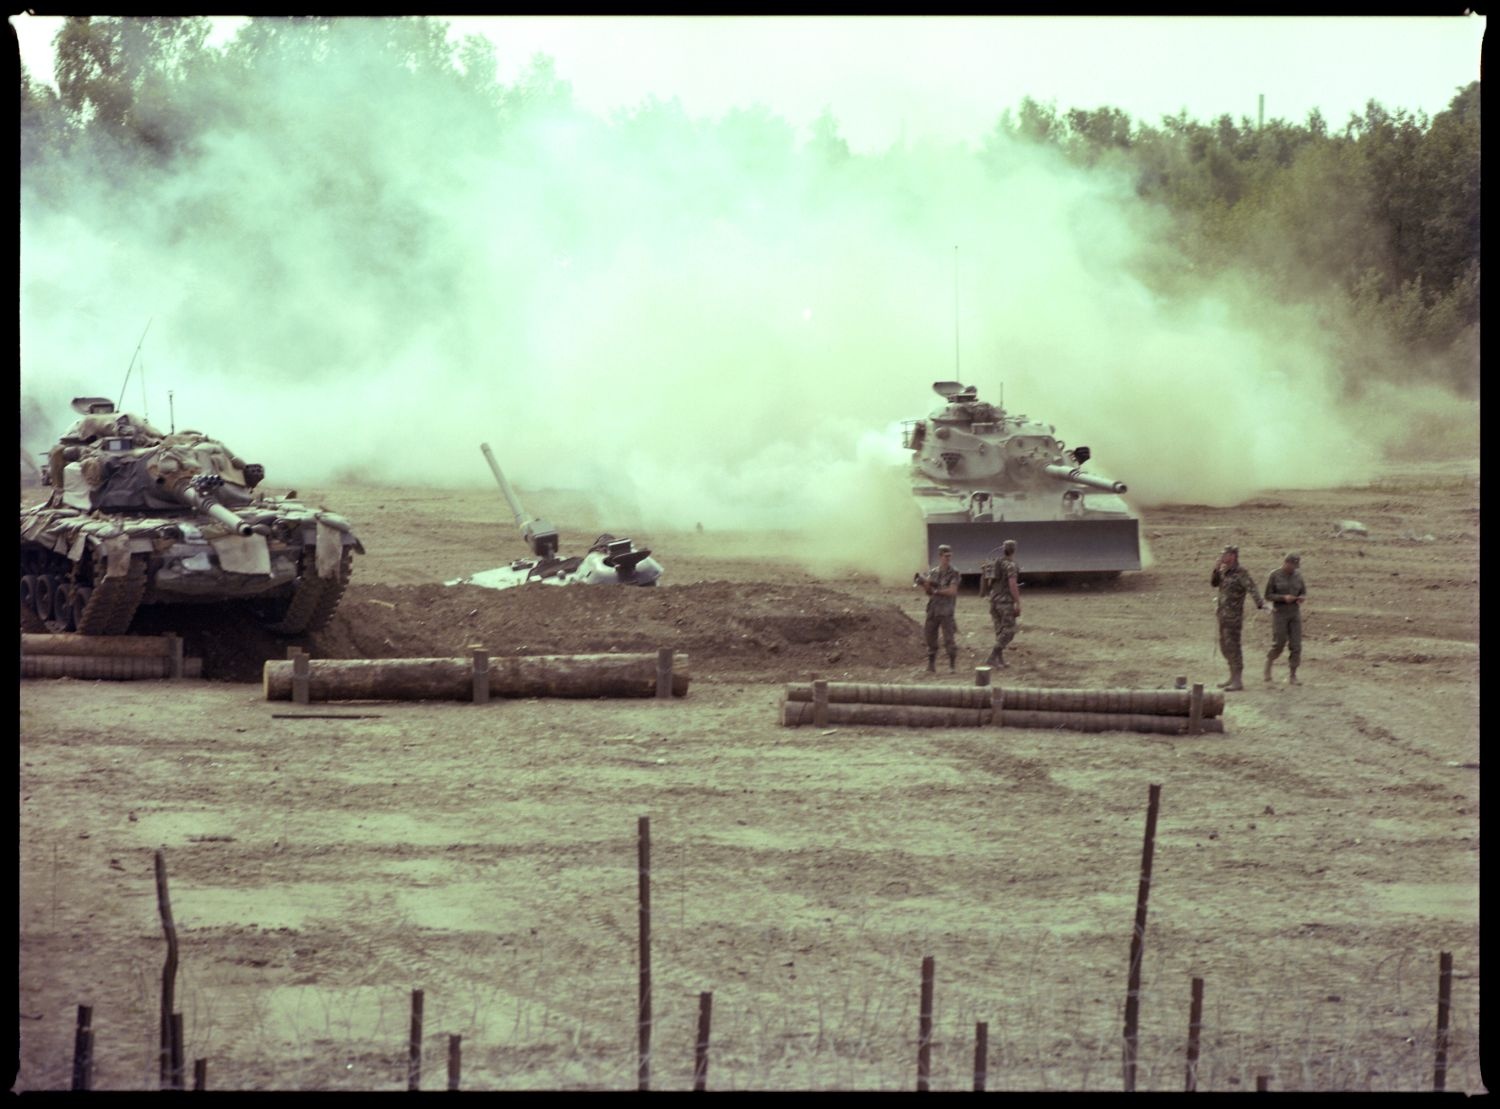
(130, 367)
(957, 375)
(171, 413)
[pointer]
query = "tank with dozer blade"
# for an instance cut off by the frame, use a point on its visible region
(981, 476)
(136, 517)
(608, 561)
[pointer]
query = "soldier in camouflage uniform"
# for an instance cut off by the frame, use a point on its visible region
(1286, 591)
(941, 586)
(1233, 582)
(1001, 582)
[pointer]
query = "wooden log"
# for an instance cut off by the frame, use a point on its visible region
(122, 668)
(801, 713)
(108, 646)
(451, 679)
(1159, 702)
(1100, 721)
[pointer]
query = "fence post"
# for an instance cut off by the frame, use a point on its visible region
(200, 1074)
(924, 1027)
(455, 1059)
(664, 673)
(1445, 996)
(820, 704)
(480, 659)
(1137, 942)
(83, 1041)
(299, 675)
(168, 970)
(414, 1048)
(700, 1053)
(1195, 1031)
(1195, 710)
(981, 675)
(643, 1010)
(981, 1055)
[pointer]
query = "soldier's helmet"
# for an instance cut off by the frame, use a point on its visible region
(1231, 549)
(1294, 558)
(1009, 546)
(943, 549)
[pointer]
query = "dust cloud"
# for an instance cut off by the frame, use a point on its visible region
(705, 321)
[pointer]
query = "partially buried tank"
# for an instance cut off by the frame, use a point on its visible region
(136, 517)
(610, 560)
(982, 476)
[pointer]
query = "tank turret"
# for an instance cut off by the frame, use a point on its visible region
(137, 517)
(982, 475)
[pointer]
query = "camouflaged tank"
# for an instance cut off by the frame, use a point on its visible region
(136, 517)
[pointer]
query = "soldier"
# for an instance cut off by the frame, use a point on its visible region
(1002, 584)
(1286, 591)
(1233, 582)
(941, 586)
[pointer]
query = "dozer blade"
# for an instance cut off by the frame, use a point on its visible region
(1043, 546)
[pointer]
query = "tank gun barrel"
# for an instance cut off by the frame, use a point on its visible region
(195, 497)
(540, 536)
(1076, 474)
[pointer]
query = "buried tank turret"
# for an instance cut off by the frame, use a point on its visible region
(136, 517)
(982, 476)
(608, 561)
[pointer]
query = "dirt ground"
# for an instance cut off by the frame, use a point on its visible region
(1310, 865)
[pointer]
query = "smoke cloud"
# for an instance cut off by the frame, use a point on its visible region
(710, 321)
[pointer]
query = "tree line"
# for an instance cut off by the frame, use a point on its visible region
(1380, 215)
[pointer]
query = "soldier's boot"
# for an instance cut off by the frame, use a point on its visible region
(932, 662)
(1227, 682)
(1268, 669)
(1234, 683)
(999, 657)
(1292, 680)
(953, 660)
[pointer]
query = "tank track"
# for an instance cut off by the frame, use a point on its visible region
(112, 604)
(315, 599)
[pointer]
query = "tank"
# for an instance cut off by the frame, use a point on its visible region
(982, 476)
(136, 517)
(608, 561)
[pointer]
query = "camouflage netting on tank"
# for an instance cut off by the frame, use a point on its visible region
(747, 631)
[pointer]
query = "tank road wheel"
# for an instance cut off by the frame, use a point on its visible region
(62, 607)
(80, 603)
(30, 620)
(313, 599)
(45, 597)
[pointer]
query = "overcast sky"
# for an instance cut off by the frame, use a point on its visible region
(949, 78)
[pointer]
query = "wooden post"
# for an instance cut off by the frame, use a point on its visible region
(481, 662)
(981, 675)
(176, 1076)
(1262, 1083)
(1195, 710)
(414, 1047)
(1445, 996)
(299, 674)
(83, 1040)
(981, 1055)
(1137, 942)
(175, 647)
(664, 674)
(820, 704)
(997, 704)
(1195, 1032)
(700, 1053)
(200, 1074)
(455, 1059)
(643, 1011)
(168, 970)
(924, 1027)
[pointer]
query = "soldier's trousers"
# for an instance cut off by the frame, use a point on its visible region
(949, 628)
(1229, 642)
(1004, 619)
(1286, 630)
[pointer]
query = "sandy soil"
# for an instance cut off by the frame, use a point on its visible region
(1310, 864)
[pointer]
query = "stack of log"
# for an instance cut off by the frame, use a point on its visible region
(1169, 711)
(113, 657)
(477, 678)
